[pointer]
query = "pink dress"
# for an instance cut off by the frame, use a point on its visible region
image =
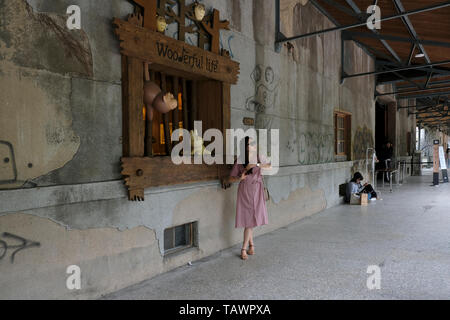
(251, 208)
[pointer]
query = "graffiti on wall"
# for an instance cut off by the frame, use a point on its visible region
(22, 245)
(313, 148)
(362, 140)
(316, 148)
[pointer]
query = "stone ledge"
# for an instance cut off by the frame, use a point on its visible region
(18, 200)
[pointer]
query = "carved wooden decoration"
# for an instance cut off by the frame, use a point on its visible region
(213, 27)
(150, 7)
(204, 78)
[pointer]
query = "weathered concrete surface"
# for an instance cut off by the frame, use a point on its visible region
(42, 40)
(102, 254)
(327, 256)
(110, 238)
(294, 93)
(96, 23)
(97, 120)
(36, 122)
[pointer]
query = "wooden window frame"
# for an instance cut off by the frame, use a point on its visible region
(141, 46)
(191, 243)
(347, 128)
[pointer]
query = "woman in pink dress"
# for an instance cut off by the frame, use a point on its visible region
(251, 208)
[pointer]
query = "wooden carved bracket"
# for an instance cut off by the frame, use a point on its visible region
(213, 27)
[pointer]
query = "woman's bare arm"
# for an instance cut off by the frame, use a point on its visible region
(227, 181)
(266, 166)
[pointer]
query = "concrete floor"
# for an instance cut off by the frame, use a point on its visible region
(327, 256)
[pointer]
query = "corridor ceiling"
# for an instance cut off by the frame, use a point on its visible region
(412, 48)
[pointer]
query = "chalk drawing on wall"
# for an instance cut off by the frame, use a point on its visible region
(362, 140)
(22, 245)
(266, 90)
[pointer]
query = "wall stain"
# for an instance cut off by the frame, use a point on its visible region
(362, 140)
(72, 46)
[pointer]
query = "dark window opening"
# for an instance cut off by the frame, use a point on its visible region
(180, 238)
(198, 100)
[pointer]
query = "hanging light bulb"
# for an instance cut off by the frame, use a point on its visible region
(199, 11)
(161, 24)
(420, 55)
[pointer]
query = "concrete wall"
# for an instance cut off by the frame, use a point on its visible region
(406, 124)
(62, 115)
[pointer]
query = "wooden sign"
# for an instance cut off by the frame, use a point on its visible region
(249, 121)
(151, 46)
(436, 163)
(443, 164)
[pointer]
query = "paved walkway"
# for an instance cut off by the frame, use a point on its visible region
(327, 255)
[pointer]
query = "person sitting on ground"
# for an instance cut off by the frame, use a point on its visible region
(356, 187)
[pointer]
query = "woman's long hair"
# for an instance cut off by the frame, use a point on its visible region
(247, 156)
(357, 176)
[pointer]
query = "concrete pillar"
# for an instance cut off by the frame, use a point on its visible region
(392, 125)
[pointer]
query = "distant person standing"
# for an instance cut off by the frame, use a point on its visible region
(447, 155)
(386, 155)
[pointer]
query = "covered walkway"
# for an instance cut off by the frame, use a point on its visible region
(327, 256)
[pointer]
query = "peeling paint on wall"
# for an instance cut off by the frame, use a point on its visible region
(42, 41)
(36, 122)
(96, 251)
(38, 54)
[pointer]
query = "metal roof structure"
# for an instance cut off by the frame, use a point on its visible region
(411, 49)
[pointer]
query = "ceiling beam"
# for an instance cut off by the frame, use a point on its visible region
(359, 24)
(434, 83)
(355, 34)
(420, 75)
(398, 69)
(411, 53)
(400, 9)
(412, 91)
(361, 19)
(445, 93)
(341, 8)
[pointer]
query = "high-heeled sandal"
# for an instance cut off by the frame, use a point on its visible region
(244, 254)
(251, 249)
